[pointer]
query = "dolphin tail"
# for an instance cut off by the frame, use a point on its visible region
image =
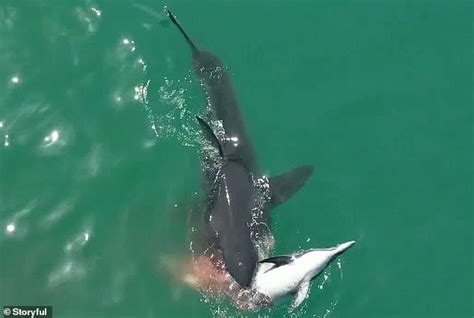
(283, 186)
(194, 49)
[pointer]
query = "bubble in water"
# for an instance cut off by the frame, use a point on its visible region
(10, 228)
(7, 142)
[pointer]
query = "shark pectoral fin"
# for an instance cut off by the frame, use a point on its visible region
(282, 187)
(278, 260)
(209, 135)
(301, 294)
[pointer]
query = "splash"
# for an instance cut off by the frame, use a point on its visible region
(96, 11)
(55, 141)
(326, 277)
(329, 310)
(261, 233)
(170, 117)
(51, 138)
(89, 18)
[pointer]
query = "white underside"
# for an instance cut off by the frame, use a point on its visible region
(277, 282)
(280, 281)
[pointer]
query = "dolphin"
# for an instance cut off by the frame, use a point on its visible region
(279, 276)
(236, 221)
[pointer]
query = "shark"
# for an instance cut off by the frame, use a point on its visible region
(238, 197)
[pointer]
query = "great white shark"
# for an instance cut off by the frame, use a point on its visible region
(236, 221)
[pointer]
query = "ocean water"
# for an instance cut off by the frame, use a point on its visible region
(99, 150)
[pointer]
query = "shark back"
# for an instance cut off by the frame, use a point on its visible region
(231, 220)
(221, 97)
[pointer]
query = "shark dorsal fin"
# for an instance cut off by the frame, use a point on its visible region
(283, 186)
(278, 260)
(210, 135)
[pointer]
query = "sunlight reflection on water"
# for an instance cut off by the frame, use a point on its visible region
(64, 120)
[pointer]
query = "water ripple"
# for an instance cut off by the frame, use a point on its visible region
(80, 239)
(57, 213)
(67, 271)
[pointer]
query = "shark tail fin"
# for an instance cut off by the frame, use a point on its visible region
(194, 49)
(210, 135)
(283, 186)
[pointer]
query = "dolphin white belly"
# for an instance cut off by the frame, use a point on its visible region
(283, 275)
(280, 281)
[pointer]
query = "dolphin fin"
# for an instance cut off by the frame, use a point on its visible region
(282, 187)
(278, 260)
(301, 294)
(210, 135)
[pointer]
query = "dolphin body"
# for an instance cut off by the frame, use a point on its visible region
(284, 275)
(236, 223)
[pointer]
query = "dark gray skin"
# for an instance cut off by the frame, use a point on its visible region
(232, 225)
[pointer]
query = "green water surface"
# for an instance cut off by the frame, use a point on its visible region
(376, 94)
